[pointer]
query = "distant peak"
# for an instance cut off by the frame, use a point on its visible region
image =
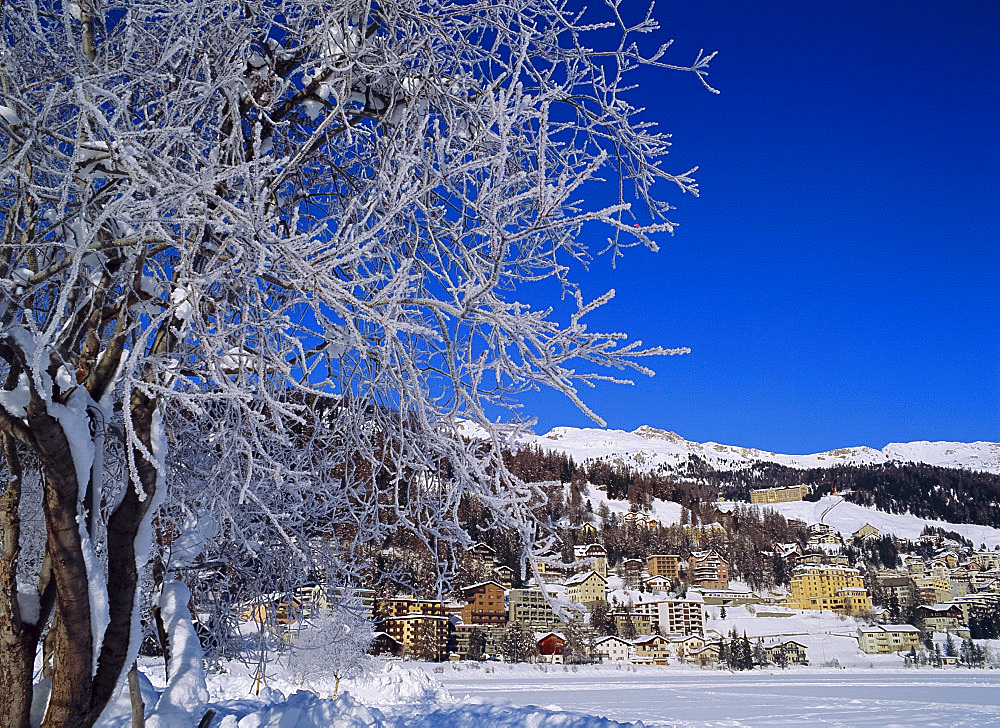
(650, 432)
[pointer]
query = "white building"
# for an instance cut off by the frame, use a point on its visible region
(613, 649)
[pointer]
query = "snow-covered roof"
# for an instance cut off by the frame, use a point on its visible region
(890, 628)
(580, 578)
(481, 583)
(946, 607)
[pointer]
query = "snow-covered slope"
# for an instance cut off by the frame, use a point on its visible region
(848, 517)
(648, 448)
(834, 511)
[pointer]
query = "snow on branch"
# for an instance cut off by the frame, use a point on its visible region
(296, 241)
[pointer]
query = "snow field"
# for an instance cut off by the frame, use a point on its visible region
(686, 696)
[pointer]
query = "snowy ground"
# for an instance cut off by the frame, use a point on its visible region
(680, 696)
(491, 695)
(864, 690)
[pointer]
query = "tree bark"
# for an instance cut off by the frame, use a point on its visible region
(123, 574)
(18, 639)
(135, 698)
(73, 656)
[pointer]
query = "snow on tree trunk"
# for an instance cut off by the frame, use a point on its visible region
(290, 237)
(185, 696)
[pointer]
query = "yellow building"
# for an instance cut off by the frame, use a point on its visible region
(779, 495)
(403, 606)
(826, 586)
(587, 588)
(933, 589)
(422, 636)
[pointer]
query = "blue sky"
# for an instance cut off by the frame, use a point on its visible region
(838, 280)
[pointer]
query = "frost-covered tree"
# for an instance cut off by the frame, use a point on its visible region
(518, 643)
(334, 644)
(303, 235)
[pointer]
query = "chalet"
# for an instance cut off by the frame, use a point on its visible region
(866, 531)
(820, 529)
(683, 647)
(652, 649)
(787, 652)
(503, 575)
(483, 556)
(941, 618)
(384, 644)
(825, 539)
(949, 557)
(656, 584)
(631, 570)
(595, 555)
(550, 647)
(639, 520)
(788, 550)
(939, 568)
(550, 565)
(706, 656)
(613, 649)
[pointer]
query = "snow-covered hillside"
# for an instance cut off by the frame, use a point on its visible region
(647, 448)
(834, 511)
(848, 517)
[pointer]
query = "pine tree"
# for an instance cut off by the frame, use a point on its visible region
(600, 618)
(949, 646)
(628, 630)
(746, 653)
(759, 655)
(518, 643)
(576, 649)
(477, 644)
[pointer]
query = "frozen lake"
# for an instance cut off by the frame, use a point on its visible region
(690, 697)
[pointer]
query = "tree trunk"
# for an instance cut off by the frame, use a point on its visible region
(123, 573)
(18, 639)
(69, 701)
(135, 698)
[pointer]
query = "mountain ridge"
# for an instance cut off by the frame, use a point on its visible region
(651, 449)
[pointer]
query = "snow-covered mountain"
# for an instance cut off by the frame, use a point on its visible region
(649, 448)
